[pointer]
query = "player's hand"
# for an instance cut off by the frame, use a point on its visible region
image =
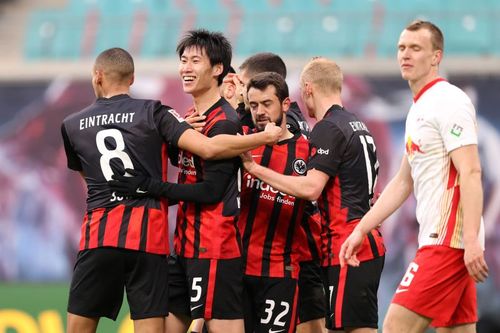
(196, 121)
(131, 184)
(350, 247)
(273, 132)
(474, 261)
(234, 79)
(247, 160)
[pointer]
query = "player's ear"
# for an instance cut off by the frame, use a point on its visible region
(217, 69)
(132, 80)
(285, 105)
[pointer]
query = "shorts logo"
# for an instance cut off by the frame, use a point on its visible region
(299, 166)
(275, 331)
(196, 307)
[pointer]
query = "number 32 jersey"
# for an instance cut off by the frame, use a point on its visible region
(122, 132)
(343, 148)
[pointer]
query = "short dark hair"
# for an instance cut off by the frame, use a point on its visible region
(217, 48)
(263, 80)
(437, 38)
(116, 63)
(264, 62)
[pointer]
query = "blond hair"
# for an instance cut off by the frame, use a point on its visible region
(324, 74)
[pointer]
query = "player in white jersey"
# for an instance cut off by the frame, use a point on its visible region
(441, 166)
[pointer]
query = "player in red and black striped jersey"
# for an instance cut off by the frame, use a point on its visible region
(270, 220)
(342, 171)
(124, 237)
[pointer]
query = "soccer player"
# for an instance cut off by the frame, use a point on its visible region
(124, 241)
(341, 173)
(311, 307)
(260, 63)
(270, 220)
(441, 166)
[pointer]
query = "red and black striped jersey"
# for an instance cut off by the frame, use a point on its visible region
(122, 132)
(310, 245)
(270, 221)
(343, 148)
(210, 230)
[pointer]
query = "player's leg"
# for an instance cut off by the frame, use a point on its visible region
(179, 320)
(146, 287)
(400, 319)
(352, 296)
(311, 306)
(197, 325)
(79, 324)
(465, 328)
(276, 307)
(96, 288)
(436, 290)
(149, 325)
(225, 325)
(216, 293)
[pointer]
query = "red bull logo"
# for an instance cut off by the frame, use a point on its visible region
(412, 148)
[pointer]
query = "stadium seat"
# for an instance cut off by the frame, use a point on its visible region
(53, 35)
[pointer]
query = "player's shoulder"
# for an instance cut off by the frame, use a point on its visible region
(446, 91)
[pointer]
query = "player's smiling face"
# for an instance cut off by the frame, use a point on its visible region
(266, 107)
(197, 74)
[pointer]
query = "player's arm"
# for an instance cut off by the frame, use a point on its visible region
(466, 161)
(307, 187)
(393, 196)
(226, 146)
(209, 191)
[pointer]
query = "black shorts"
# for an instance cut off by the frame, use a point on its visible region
(311, 292)
(351, 293)
(206, 288)
(100, 276)
(270, 304)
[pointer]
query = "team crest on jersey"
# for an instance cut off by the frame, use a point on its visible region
(299, 166)
(176, 115)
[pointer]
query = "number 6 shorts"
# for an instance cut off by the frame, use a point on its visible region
(437, 285)
(206, 288)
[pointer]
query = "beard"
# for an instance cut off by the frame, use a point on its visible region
(278, 122)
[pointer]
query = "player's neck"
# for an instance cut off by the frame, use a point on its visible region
(417, 85)
(108, 92)
(205, 100)
(323, 104)
(286, 134)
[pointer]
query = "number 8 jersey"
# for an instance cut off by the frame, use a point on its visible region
(122, 132)
(343, 148)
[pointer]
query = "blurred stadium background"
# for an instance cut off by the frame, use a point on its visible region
(47, 48)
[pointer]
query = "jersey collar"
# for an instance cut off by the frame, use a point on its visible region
(112, 98)
(427, 87)
(333, 108)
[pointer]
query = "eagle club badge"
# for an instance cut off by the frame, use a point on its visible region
(299, 166)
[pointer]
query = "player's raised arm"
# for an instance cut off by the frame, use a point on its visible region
(226, 146)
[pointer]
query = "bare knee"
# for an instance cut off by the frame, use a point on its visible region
(80, 324)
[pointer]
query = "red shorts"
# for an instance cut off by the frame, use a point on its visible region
(437, 285)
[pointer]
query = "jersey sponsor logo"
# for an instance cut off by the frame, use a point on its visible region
(299, 166)
(412, 148)
(456, 130)
(322, 151)
(268, 192)
(187, 161)
(176, 115)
